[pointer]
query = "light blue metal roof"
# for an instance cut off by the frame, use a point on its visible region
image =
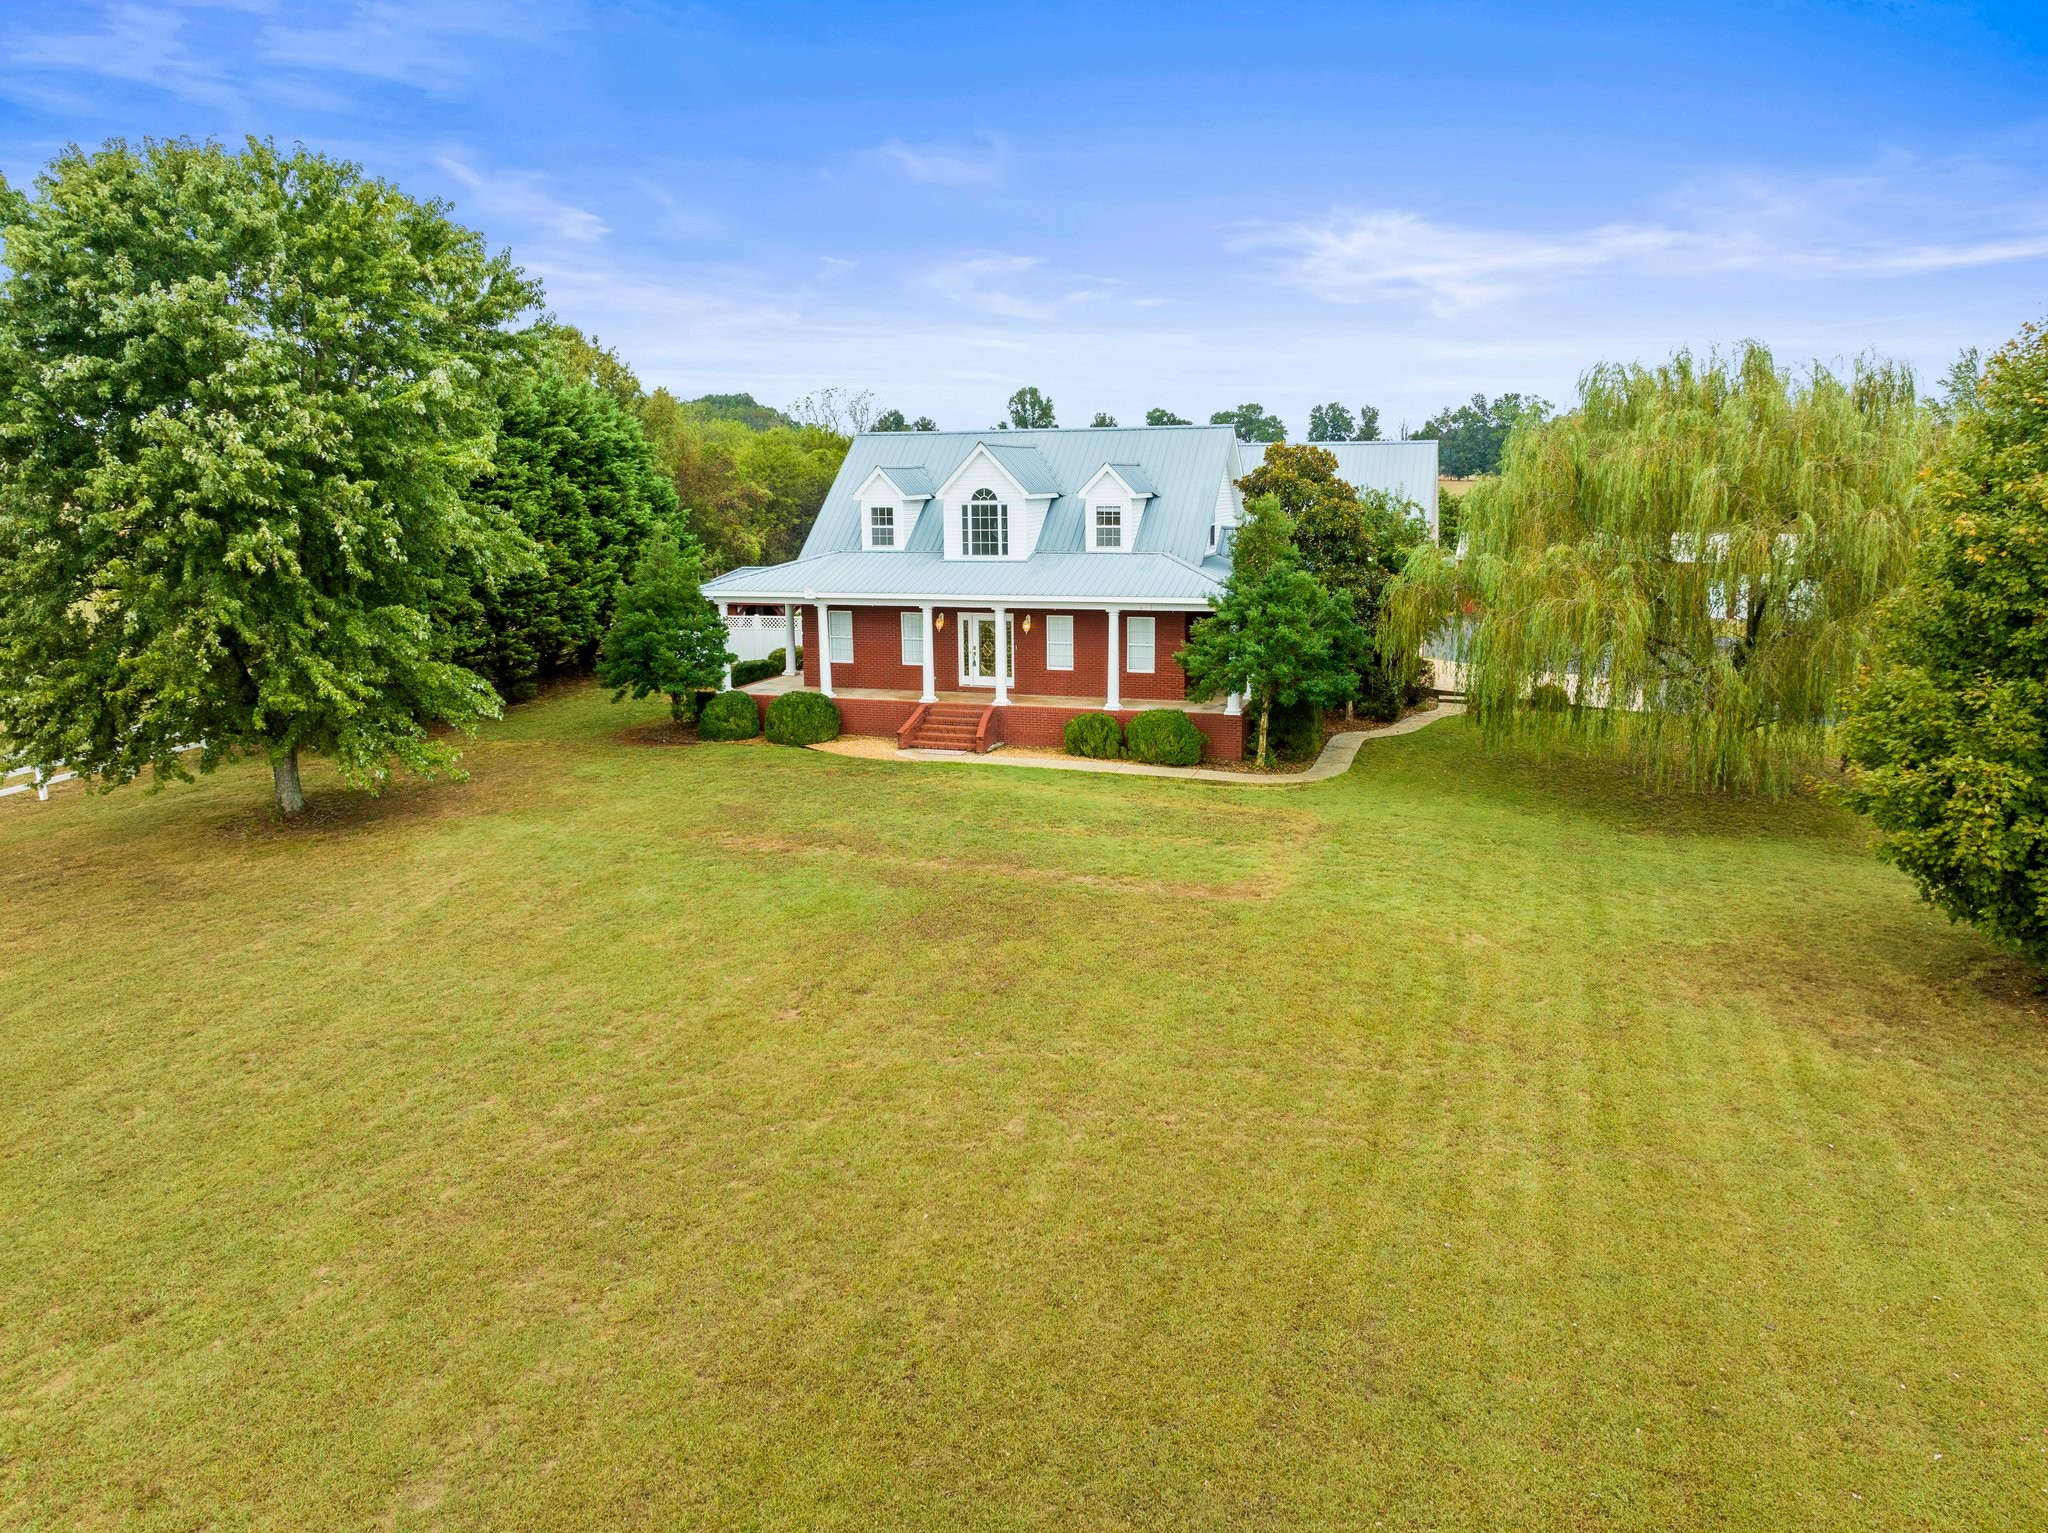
(1407, 469)
(1184, 464)
(910, 480)
(1165, 580)
(1026, 467)
(1134, 476)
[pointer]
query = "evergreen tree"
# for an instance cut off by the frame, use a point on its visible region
(1276, 635)
(576, 474)
(246, 397)
(666, 637)
(1948, 741)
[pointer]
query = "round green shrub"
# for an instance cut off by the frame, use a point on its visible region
(1095, 734)
(1164, 737)
(729, 716)
(802, 718)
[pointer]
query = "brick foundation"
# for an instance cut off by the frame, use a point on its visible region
(1018, 724)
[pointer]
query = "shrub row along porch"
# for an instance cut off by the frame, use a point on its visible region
(1027, 670)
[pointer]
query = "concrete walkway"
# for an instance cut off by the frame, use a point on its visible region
(1338, 754)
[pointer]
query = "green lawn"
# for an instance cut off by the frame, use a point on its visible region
(728, 1136)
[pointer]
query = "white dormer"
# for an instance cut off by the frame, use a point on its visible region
(1112, 505)
(993, 505)
(1228, 513)
(890, 501)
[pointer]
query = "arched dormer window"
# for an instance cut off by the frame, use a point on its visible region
(984, 526)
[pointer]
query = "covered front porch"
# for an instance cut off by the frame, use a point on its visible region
(971, 718)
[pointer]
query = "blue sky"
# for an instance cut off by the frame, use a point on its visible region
(1127, 206)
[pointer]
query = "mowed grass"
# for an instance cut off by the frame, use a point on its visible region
(728, 1136)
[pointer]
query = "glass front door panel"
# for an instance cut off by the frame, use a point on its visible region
(978, 650)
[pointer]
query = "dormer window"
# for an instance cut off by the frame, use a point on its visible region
(985, 526)
(881, 526)
(1109, 526)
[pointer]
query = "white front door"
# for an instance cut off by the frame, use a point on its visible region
(978, 650)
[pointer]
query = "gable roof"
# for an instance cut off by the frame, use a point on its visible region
(912, 481)
(1024, 465)
(1184, 466)
(1135, 479)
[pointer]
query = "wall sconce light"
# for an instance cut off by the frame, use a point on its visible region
(939, 621)
(1027, 622)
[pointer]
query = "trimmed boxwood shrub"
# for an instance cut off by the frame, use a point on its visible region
(1164, 737)
(1095, 734)
(746, 672)
(803, 718)
(729, 716)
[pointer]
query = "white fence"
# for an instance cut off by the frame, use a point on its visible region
(754, 636)
(41, 785)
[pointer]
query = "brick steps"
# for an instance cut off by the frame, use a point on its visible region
(946, 727)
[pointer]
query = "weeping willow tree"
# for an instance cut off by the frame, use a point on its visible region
(1685, 564)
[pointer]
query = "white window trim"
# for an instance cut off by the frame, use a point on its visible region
(874, 541)
(838, 627)
(1002, 510)
(1132, 647)
(911, 627)
(1095, 527)
(1062, 625)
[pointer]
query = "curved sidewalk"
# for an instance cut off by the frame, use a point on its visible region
(1339, 751)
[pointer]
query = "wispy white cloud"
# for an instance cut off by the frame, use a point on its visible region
(1862, 225)
(936, 165)
(523, 196)
(1012, 286)
(140, 44)
(426, 46)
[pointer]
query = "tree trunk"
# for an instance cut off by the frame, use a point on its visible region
(675, 706)
(284, 773)
(1265, 713)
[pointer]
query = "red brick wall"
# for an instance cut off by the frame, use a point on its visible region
(878, 650)
(1047, 727)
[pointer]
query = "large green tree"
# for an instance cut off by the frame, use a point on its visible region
(1030, 410)
(1471, 437)
(1276, 635)
(1335, 423)
(1159, 415)
(246, 397)
(1701, 544)
(1252, 423)
(665, 637)
(1353, 542)
(1948, 740)
(575, 473)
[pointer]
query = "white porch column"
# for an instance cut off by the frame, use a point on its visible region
(1002, 656)
(822, 639)
(789, 647)
(927, 648)
(725, 617)
(1234, 704)
(1116, 658)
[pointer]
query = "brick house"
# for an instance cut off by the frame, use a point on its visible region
(970, 588)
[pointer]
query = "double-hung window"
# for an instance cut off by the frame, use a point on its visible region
(1059, 641)
(881, 526)
(984, 526)
(913, 636)
(839, 630)
(1109, 526)
(1138, 644)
